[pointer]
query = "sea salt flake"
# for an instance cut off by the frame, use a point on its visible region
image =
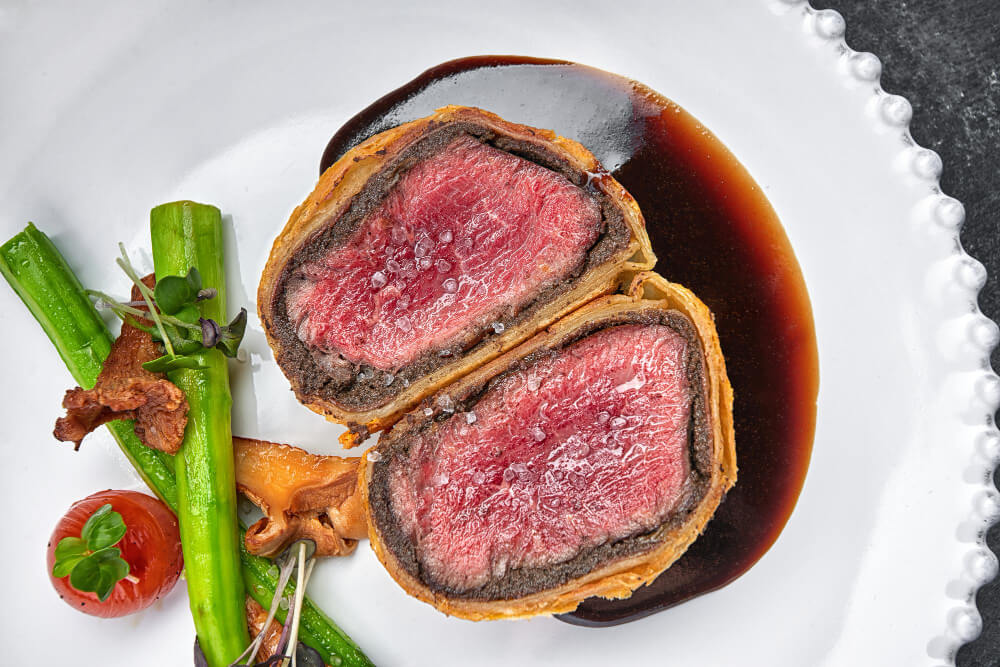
(498, 327)
(450, 285)
(373, 456)
(379, 280)
(537, 433)
(445, 236)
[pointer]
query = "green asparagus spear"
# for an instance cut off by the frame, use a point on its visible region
(185, 235)
(40, 276)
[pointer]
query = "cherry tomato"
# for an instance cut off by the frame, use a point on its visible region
(151, 547)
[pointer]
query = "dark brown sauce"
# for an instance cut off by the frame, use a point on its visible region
(713, 231)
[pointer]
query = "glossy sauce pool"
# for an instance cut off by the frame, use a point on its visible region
(713, 231)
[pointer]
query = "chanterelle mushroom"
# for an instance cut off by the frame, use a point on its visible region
(126, 390)
(303, 495)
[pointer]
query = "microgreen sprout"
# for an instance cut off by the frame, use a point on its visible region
(172, 317)
(296, 558)
(91, 561)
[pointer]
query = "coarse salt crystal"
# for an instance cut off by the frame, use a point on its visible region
(379, 280)
(450, 285)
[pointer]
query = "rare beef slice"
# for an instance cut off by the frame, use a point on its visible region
(583, 462)
(432, 248)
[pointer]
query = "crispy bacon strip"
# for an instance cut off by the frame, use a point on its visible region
(126, 390)
(303, 495)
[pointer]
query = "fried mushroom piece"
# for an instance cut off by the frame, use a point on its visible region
(303, 495)
(256, 616)
(126, 390)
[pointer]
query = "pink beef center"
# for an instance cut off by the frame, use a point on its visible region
(582, 448)
(465, 236)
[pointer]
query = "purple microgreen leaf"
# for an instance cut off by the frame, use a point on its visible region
(210, 332)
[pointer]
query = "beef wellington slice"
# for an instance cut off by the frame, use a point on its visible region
(582, 462)
(430, 249)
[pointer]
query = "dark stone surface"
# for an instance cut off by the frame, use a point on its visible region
(944, 56)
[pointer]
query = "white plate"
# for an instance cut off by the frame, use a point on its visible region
(108, 111)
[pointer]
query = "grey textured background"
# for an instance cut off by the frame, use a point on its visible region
(944, 56)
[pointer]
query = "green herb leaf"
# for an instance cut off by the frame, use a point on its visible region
(86, 576)
(193, 279)
(69, 552)
(94, 520)
(166, 363)
(103, 529)
(64, 567)
(111, 561)
(70, 546)
(172, 293)
(91, 562)
(99, 572)
(232, 334)
(188, 313)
